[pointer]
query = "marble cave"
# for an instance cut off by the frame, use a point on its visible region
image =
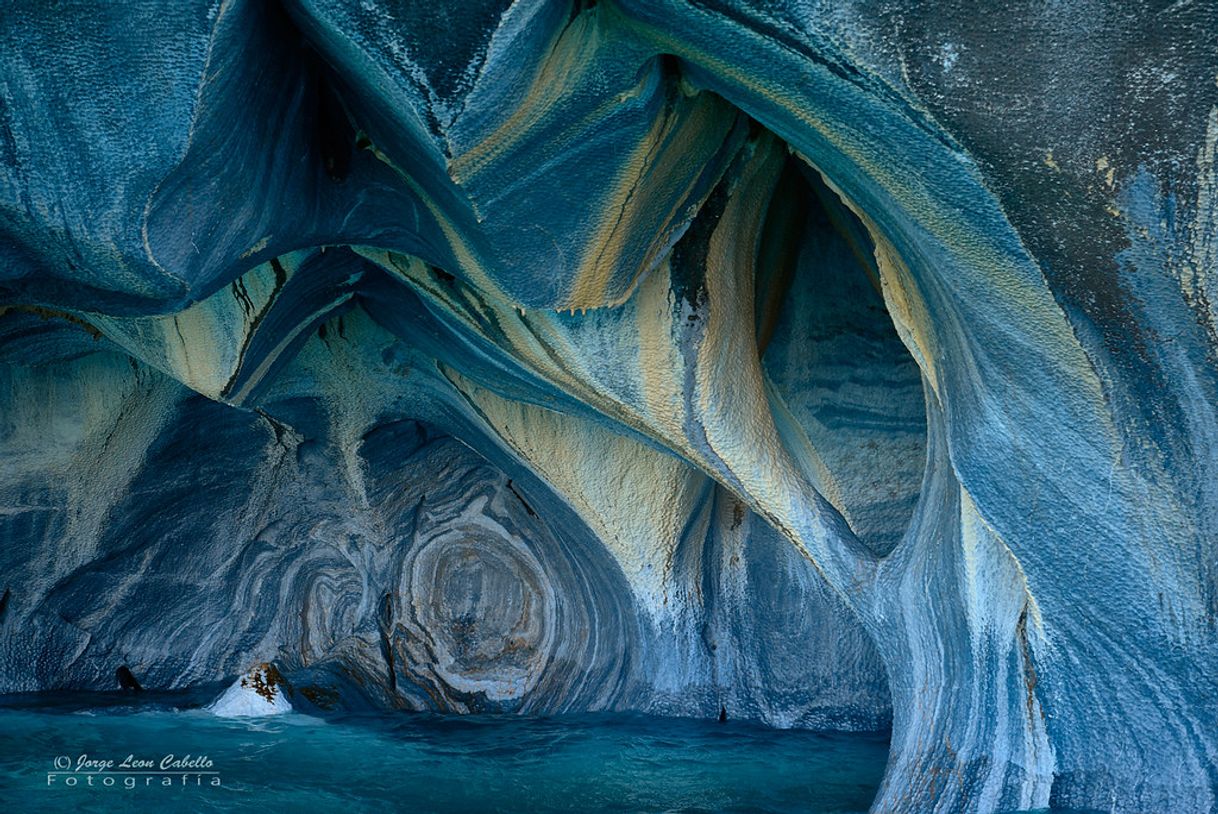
(780, 366)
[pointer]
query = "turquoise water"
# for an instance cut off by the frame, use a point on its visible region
(422, 763)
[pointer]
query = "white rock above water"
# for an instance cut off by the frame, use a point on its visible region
(257, 693)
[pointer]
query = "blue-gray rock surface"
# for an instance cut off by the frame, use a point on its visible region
(842, 365)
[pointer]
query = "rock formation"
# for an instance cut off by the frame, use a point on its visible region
(837, 365)
(257, 694)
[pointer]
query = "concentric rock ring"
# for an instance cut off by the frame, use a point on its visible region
(484, 607)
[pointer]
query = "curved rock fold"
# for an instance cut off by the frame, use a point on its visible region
(835, 365)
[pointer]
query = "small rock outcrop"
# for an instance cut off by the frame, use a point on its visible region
(258, 693)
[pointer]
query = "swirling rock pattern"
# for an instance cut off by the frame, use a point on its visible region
(835, 363)
(406, 571)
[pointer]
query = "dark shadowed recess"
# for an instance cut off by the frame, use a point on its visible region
(830, 348)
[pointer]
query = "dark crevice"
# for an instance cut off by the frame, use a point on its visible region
(830, 348)
(523, 502)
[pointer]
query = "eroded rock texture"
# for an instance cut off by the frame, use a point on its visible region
(836, 364)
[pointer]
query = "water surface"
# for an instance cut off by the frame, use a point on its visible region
(415, 762)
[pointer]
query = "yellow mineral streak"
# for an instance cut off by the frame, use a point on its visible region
(731, 401)
(623, 217)
(635, 498)
(202, 345)
(567, 60)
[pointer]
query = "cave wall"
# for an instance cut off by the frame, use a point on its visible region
(879, 327)
(405, 571)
